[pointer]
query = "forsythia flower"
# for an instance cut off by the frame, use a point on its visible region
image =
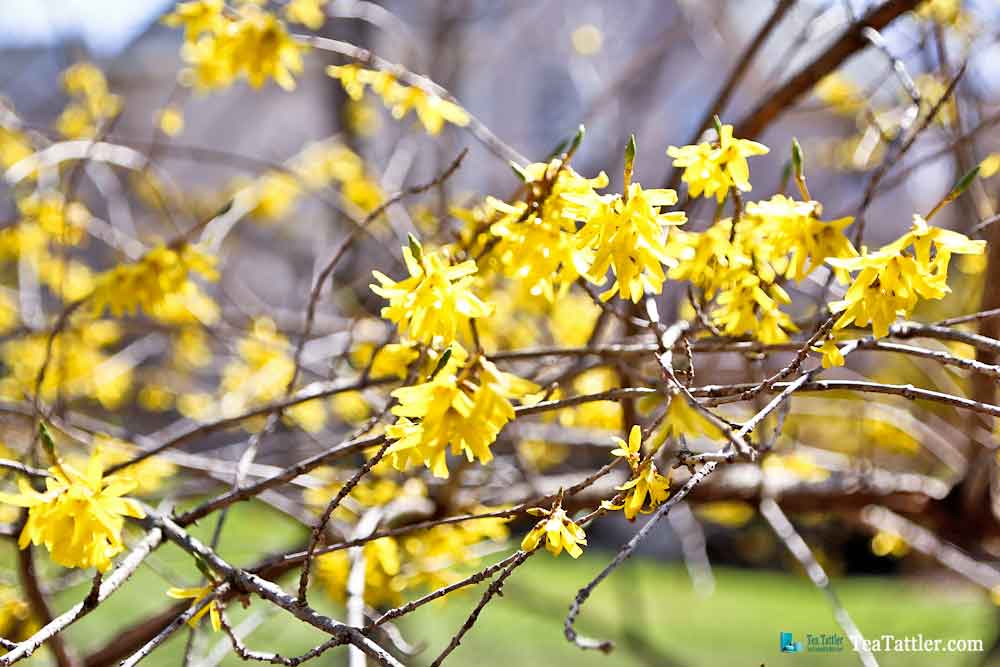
(784, 226)
(890, 281)
(197, 17)
(79, 516)
(453, 409)
(81, 367)
(627, 235)
(646, 481)
(683, 420)
(432, 111)
(713, 168)
(435, 300)
(537, 245)
(91, 102)
(307, 12)
(163, 271)
(558, 530)
(253, 45)
(831, 353)
(197, 594)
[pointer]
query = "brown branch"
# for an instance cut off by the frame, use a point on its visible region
(849, 43)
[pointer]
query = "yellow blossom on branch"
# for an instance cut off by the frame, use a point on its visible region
(432, 110)
(144, 284)
(891, 280)
(462, 406)
(832, 355)
(537, 244)
(80, 515)
(647, 488)
(197, 594)
(557, 530)
(628, 235)
(712, 168)
(435, 301)
(251, 44)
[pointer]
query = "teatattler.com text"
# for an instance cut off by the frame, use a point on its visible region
(918, 643)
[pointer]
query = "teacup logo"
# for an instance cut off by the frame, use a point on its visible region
(788, 643)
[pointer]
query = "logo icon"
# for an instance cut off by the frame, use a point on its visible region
(788, 643)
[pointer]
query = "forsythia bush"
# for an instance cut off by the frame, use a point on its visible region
(427, 397)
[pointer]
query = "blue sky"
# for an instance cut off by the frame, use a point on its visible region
(105, 25)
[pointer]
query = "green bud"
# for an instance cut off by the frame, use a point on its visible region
(48, 444)
(577, 139)
(415, 247)
(964, 183)
(521, 174)
(442, 362)
(629, 159)
(796, 157)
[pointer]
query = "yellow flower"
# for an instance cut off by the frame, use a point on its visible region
(350, 77)
(434, 301)
(454, 410)
(61, 222)
(891, 280)
(170, 120)
(990, 165)
(630, 451)
(307, 12)
(538, 246)
(197, 17)
(711, 169)
(683, 420)
(646, 481)
(213, 609)
(784, 226)
(382, 568)
(91, 102)
(81, 365)
(627, 235)
(831, 353)
(253, 45)
(261, 375)
(265, 51)
(889, 544)
(842, 95)
(432, 111)
(79, 516)
(163, 271)
(277, 196)
(558, 530)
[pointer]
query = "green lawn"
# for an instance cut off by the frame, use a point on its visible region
(647, 608)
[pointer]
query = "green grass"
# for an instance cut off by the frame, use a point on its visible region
(647, 608)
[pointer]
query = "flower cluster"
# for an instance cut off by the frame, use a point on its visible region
(80, 515)
(464, 405)
(565, 229)
(92, 104)
(224, 46)
(261, 374)
(536, 239)
(741, 265)
(712, 168)
(435, 301)
(163, 271)
(646, 488)
(558, 531)
(432, 110)
(891, 280)
(82, 366)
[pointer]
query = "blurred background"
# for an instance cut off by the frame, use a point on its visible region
(712, 587)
